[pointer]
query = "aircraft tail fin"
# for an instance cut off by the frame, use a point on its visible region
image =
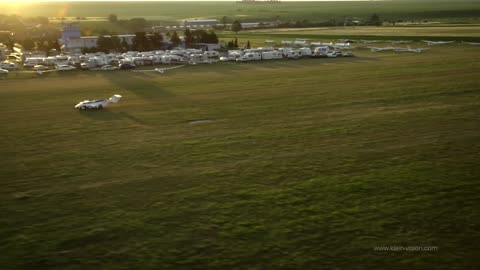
(114, 98)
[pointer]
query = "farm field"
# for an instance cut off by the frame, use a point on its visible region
(431, 10)
(467, 33)
(420, 31)
(302, 164)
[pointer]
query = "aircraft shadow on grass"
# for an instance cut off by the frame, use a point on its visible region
(109, 115)
(142, 85)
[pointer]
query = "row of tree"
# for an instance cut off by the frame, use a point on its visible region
(199, 36)
(374, 20)
(147, 42)
(40, 44)
(233, 44)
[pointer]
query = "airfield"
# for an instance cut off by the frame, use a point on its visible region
(282, 164)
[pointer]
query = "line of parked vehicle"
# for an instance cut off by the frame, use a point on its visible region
(133, 59)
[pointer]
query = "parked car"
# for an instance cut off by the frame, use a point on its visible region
(65, 67)
(334, 54)
(108, 67)
(40, 67)
(3, 71)
(84, 66)
(348, 54)
(29, 64)
(8, 65)
(126, 66)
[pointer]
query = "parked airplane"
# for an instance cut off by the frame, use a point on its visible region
(401, 41)
(97, 104)
(159, 70)
(429, 42)
(472, 43)
(300, 42)
(342, 46)
(372, 41)
(397, 49)
(321, 43)
(408, 49)
(383, 49)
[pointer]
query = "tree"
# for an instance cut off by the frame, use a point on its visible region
(189, 38)
(235, 43)
(10, 43)
(138, 24)
(236, 26)
(375, 20)
(104, 44)
(124, 45)
(28, 44)
(212, 37)
(175, 39)
(224, 21)
(116, 43)
(140, 41)
(248, 44)
(45, 45)
(230, 44)
(113, 18)
(156, 41)
(55, 45)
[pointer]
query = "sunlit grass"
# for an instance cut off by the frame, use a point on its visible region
(303, 164)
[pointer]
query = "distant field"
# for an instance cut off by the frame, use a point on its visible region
(306, 164)
(422, 31)
(432, 10)
(414, 33)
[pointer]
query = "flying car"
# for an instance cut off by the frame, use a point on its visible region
(97, 104)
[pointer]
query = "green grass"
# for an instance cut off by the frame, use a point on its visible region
(466, 33)
(306, 164)
(433, 10)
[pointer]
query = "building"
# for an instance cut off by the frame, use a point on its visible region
(200, 23)
(70, 35)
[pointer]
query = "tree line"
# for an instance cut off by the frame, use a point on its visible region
(152, 41)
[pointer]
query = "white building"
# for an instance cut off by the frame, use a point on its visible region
(202, 23)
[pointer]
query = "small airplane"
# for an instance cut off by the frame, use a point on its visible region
(401, 41)
(286, 42)
(97, 104)
(347, 40)
(472, 43)
(371, 41)
(429, 42)
(342, 46)
(300, 42)
(408, 49)
(159, 70)
(383, 49)
(321, 43)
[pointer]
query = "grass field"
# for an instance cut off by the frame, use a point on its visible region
(306, 164)
(419, 31)
(467, 33)
(433, 10)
